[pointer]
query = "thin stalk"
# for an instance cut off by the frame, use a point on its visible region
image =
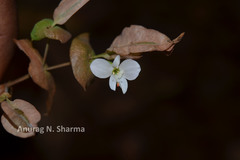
(58, 66)
(16, 81)
(45, 53)
(27, 76)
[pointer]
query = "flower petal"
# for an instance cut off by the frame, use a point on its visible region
(123, 84)
(116, 61)
(112, 83)
(101, 68)
(131, 69)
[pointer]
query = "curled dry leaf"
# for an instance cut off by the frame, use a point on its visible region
(37, 71)
(58, 33)
(20, 116)
(80, 56)
(8, 30)
(44, 29)
(51, 92)
(137, 39)
(66, 9)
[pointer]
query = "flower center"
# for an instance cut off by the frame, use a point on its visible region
(117, 73)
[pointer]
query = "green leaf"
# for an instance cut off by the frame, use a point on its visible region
(39, 28)
(44, 29)
(80, 56)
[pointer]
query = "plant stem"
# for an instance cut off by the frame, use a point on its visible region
(58, 66)
(106, 55)
(16, 81)
(25, 77)
(102, 55)
(45, 53)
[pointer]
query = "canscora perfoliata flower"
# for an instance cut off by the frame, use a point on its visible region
(118, 73)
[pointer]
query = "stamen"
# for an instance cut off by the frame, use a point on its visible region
(115, 71)
(118, 84)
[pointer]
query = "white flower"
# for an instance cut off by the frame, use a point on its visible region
(118, 73)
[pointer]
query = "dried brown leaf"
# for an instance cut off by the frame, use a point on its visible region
(132, 56)
(80, 56)
(51, 92)
(137, 39)
(66, 9)
(8, 30)
(36, 70)
(19, 114)
(58, 33)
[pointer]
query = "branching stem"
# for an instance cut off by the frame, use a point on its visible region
(16, 81)
(58, 66)
(27, 76)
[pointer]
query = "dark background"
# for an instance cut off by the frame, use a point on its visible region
(182, 107)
